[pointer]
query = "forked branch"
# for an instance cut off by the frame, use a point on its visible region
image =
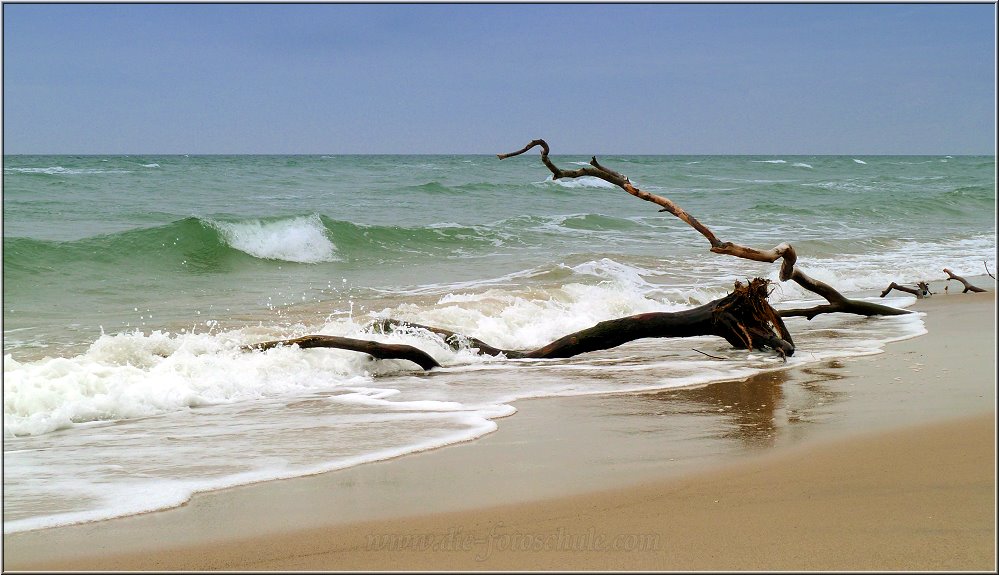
(967, 285)
(784, 251)
(921, 290)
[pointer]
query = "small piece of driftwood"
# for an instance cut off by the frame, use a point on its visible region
(921, 290)
(967, 286)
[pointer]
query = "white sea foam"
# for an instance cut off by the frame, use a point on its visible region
(859, 161)
(741, 180)
(132, 375)
(301, 240)
(154, 165)
(769, 161)
(136, 374)
(842, 186)
(449, 287)
(629, 276)
(583, 182)
(802, 165)
(110, 496)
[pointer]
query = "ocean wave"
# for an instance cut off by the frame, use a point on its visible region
(298, 240)
(590, 222)
(576, 183)
(213, 243)
(132, 375)
(847, 186)
(433, 188)
(192, 244)
(61, 171)
(790, 208)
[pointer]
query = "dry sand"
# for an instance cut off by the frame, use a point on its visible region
(884, 462)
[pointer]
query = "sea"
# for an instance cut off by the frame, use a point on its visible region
(130, 284)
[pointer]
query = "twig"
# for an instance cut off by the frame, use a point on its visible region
(708, 354)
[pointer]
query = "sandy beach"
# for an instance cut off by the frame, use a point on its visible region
(881, 462)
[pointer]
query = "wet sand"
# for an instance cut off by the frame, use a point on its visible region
(878, 462)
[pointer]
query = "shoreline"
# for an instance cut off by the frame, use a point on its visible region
(832, 506)
(784, 418)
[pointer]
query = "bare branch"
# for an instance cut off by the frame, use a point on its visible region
(921, 290)
(784, 251)
(967, 286)
(542, 143)
(372, 348)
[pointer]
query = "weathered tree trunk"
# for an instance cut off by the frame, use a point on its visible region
(967, 286)
(784, 251)
(743, 318)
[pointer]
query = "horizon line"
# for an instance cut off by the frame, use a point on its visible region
(204, 154)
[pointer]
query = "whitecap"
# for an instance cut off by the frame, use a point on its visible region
(582, 182)
(300, 240)
(59, 170)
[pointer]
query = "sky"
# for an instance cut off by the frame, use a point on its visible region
(488, 78)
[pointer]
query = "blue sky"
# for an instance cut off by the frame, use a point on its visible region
(474, 78)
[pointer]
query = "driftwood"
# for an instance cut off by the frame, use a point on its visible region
(967, 286)
(921, 290)
(744, 318)
(372, 348)
(837, 302)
